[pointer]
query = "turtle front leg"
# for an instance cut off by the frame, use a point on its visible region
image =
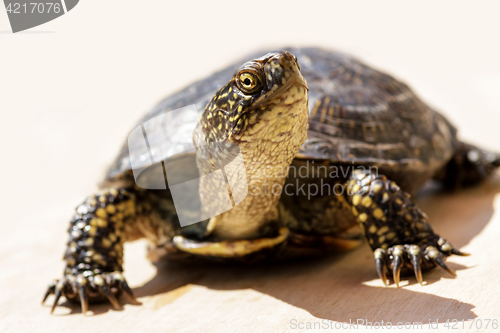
(94, 255)
(396, 229)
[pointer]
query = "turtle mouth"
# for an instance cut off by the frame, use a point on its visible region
(282, 90)
(301, 81)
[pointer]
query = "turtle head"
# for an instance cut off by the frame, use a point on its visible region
(263, 111)
(262, 92)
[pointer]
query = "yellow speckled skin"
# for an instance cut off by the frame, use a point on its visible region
(282, 128)
(94, 256)
(278, 116)
(100, 226)
(359, 117)
(396, 229)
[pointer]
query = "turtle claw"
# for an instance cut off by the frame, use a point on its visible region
(396, 271)
(447, 249)
(90, 288)
(50, 290)
(436, 257)
(126, 289)
(380, 264)
(459, 253)
(112, 299)
(397, 263)
(58, 294)
(412, 257)
(84, 300)
(441, 263)
(417, 267)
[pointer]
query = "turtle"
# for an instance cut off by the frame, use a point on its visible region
(295, 153)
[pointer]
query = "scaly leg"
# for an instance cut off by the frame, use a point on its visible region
(94, 256)
(396, 229)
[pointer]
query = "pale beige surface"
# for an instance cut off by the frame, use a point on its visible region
(71, 89)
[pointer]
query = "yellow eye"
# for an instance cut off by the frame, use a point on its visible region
(249, 82)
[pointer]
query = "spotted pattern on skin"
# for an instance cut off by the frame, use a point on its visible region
(96, 233)
(100, 226)
(94, 256)
(268, 126)
(388, 215)
(350, 101)
(396, 229)
(227, 112)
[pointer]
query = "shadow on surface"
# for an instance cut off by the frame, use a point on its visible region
(325, 288)
(334, 288)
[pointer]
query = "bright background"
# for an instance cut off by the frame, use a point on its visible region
(71, 89)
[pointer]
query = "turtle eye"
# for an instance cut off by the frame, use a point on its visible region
(249, 82)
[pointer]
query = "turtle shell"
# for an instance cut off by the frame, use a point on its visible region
(358, 116)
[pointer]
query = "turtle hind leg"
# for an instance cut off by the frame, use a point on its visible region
(396, 229)
(469, 166)
(94, 255)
